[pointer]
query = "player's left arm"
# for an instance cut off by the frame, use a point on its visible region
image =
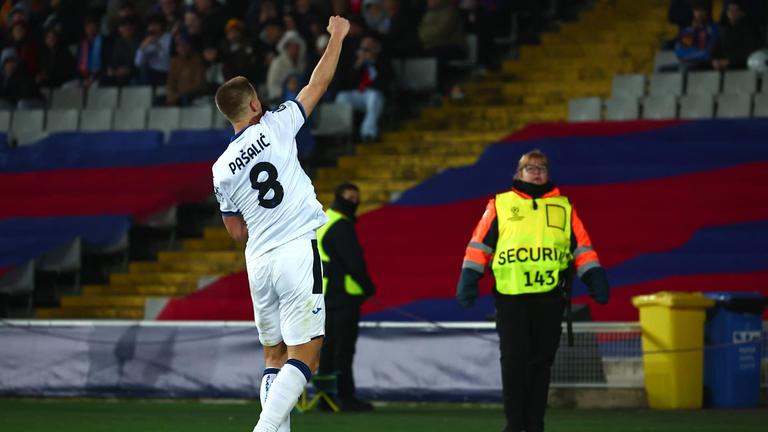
(236, 227)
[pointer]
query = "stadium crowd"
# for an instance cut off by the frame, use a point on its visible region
(190, 47)
(704, 44)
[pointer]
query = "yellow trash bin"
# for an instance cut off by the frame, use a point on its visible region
(673, 339)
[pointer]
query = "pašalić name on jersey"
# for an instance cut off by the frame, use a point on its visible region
(529, 254)
(249, 153)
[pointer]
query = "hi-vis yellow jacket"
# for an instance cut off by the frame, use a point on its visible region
(529, 243)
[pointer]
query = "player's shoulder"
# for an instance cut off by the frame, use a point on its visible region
(283, 108)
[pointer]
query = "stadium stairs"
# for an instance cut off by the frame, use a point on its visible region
(622, 34)
(580, 59)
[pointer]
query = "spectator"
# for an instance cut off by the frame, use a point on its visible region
(170, 10)
(266, 45)
(738, 39)
(214, 71)
(90, 52)
(375, 16)
(366, 86)
(193, 27)
(680, 13)
(153, 57)
(303, 17)
(186, 77)
(400, 39)
(695, 43)
(291, 60)
(340, 7)
(441, 32)
(213, 19)
(238, 57)
(267, 11)
(16, 83)
(57, 65)
(27, 47)
(755, 12)
(121, 69)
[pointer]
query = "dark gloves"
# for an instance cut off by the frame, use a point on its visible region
(597, 281)
(467, 291)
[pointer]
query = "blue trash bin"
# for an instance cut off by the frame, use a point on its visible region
(733, 333)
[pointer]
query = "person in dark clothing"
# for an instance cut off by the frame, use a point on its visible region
(237, 55)
(121, 69)
(400, 39)
(346, 285)
(366, 85)
(696, 42)
(57, 65)
(738, 39)
(529, 236)
(15, 83)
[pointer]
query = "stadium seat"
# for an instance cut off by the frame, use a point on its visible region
(666, 84)
(61, 120)
(706, 83)
(333, 119)
(136, 97)
(665, 61)
(659, 107)
(19, 282)
(740, 82)
(27, 126)
(32, 103)
(5, 121)
(420, 74)
(96, 120)
(734, 105)
(622, 108)
(585, 109)
(130, 119)
(196, 118)
(66, 259)
(470, 60)
(761, 105)
(165, 119)
(696, 106)
(102, 97)
(69, 97)
(628, 86)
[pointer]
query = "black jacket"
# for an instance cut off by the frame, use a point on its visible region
(341, 244)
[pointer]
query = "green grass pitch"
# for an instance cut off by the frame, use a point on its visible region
(76, 415)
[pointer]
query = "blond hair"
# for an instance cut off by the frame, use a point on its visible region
(526, 159)
(233, 97)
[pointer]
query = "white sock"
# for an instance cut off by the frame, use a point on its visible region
(266, 383)
(281, 394)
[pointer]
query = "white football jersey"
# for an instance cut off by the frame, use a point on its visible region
(259, 177)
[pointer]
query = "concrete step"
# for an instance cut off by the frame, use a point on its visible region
(157, 278)
(210, 245)
(196, 255)
(90, 313)
(107, 301)
(186, 266)
(139, 290)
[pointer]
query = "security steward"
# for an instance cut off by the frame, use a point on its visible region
(346, 285)
(530, 236)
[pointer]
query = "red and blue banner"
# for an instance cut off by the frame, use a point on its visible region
(677, 206)
(94, 185)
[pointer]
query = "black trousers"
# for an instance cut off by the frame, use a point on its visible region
(341, 330)
(529, 335)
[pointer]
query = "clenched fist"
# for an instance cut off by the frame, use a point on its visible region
(338, 26)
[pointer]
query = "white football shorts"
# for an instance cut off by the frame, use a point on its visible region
(287, 293)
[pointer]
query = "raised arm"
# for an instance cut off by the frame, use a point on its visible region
(321, 77)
